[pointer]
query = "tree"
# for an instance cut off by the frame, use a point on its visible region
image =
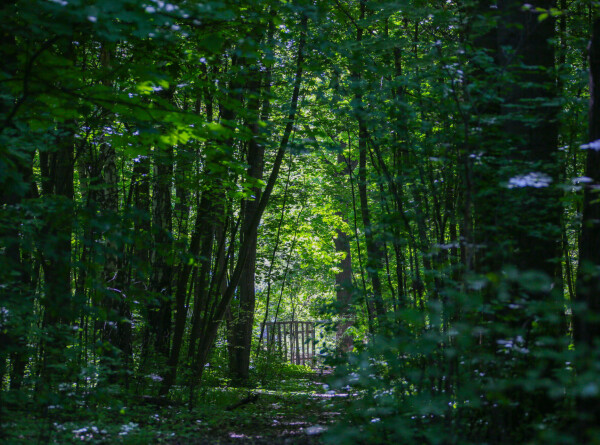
(586, 327)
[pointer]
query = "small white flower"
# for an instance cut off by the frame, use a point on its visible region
(127, 428)
(582, 180)
(594, 145)
(155, 377)
(533, 179)
(315, 429)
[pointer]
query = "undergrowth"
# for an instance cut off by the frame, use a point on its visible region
(286, 405)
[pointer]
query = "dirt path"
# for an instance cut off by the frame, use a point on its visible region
(297, 411)
(275, 417)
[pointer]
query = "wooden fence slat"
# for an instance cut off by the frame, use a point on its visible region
(279, 338)
(303, 344)
(294, 341)
(298, 358)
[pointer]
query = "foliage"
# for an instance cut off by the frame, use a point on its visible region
(422, 176)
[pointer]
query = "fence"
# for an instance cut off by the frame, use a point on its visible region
(294, 341)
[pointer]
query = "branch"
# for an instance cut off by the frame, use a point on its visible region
(250, 398)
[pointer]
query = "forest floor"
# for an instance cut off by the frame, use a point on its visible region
(293, 411)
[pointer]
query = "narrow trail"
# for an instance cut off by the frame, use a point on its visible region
(299, 415)
(296, 409)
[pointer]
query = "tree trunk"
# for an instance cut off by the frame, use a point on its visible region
(587, 308)
(242, 326)
(181, 309)
(16, 264)
(524, 235)
(57, 168)
(160, 284)
(374, 253)
(343, 289)
(536, 141)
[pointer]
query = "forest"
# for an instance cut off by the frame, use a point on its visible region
(274, 221)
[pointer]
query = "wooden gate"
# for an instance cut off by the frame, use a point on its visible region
(292, 340)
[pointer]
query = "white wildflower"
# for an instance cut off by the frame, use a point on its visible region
(533, 179)
(594, 145)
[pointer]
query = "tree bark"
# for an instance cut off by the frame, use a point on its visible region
(57, 168)
(181, 291)
(374, 253)
(160, 284)
(587, 307)
(243, 323)
(343, 289)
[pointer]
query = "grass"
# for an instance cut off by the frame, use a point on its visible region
(295, 407)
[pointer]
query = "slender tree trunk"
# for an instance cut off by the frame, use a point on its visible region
(242, 326)
(17, 294)
(181, 309)
(141, 254)
(57, 167)
(343, 288)
(160, 284)
(209, 207)
(587, 308)
(113, 297)
(16, 265)
(374, 253)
